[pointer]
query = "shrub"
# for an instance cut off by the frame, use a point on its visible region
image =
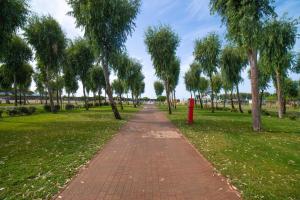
(234, 110)
(1, 112)
(13, 111)
(69, 107)
(97, 104)
(23, 110)
(293, 117)
(265, 112)
(105, 104)
(56, 108)
(31, 110)
(249, 111)
(47, 108)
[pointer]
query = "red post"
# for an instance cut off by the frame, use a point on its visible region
(191, 111)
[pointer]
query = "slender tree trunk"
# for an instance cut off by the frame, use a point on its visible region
(225, 99)
(105, 95)
(49, 90)
(133, 102)
(279, 95)
(109, 91)
(256, 118)
(24, 97)
(212, 95)
(201, 102)
(196, 105)
(15, 88)
(94, 97)
(168, 96)
(175, 101)
(284, 104)
(121, 103)
(239, 98)
(231, 99)
(261, 98)
(61, 99)
(85, 100)
(69, 98)
(99, 95)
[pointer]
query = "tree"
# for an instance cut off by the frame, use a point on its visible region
(202, 87)
(107, 24)
(159, 88)
(118, 87)
(244, 20)
(13, 14)
(47, 38)
(216, 85)
(279, 38)
(174, 79)
(17, 55)
(81, 57)
(206, 53)
(162, 43)
(190, 81)
(6, 80)
(290, 90)
(98, 80)
(39, 79)
(232, 63)
(138, 86)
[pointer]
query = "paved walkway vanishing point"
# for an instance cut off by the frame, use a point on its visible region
(148, 159)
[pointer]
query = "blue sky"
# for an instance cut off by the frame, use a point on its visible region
(191, 19)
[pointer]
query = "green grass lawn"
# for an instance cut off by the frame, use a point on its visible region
(40, 153)
(262, 165)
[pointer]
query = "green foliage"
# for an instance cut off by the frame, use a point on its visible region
(175, 73)
(107, 23)
(291, 88)
(278, 40)
(217, 83)
(159, 88)
(203, 85)
(13, 14)
(232, 63)
(191, 80)
(244, 19)
(46, 36)
(162, 98)
(207, 52)
(162, 44)
(97, 78)
(118, 87)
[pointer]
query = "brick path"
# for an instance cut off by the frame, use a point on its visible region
(148, 159)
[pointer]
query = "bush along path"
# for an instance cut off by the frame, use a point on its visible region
(149, 159)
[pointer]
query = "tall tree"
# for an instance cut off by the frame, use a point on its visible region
(81, 58)
(174, 79)
(158, 88)
(232, 63)
(98, 80)
(244, 20)
(162, 44)
(13, 14)
(17, 55)
(6, 80)
(24, 79)
(216, 85)
(190, 81)
(46, 36)
(118, 87)
(107, 24)
(279, 38)
(39, 80)
(206, 53)
(202, 88)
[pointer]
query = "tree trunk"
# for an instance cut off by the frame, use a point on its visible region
(94, 98)
(109, 91)
(284, 105)
(16, 91)
(239, 99)
(69, 98)
(99, 95)
(20, 96)
(261, 98)
(121, 102)
(49, 90)
(133, 102)
(24, 97)
(201, 102)
(256, 118)
(168, 96)
(61, 99)
(225, 99)
(175, 101)
(212, 95)
(279, 95)
(85, 100)
(231, 99)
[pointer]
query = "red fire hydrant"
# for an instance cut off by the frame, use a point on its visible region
(191, 111)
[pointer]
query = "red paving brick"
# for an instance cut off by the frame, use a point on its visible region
(148, 159)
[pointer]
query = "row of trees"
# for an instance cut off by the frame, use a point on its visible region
(162, 44)
(253, 30)
(61, 62)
